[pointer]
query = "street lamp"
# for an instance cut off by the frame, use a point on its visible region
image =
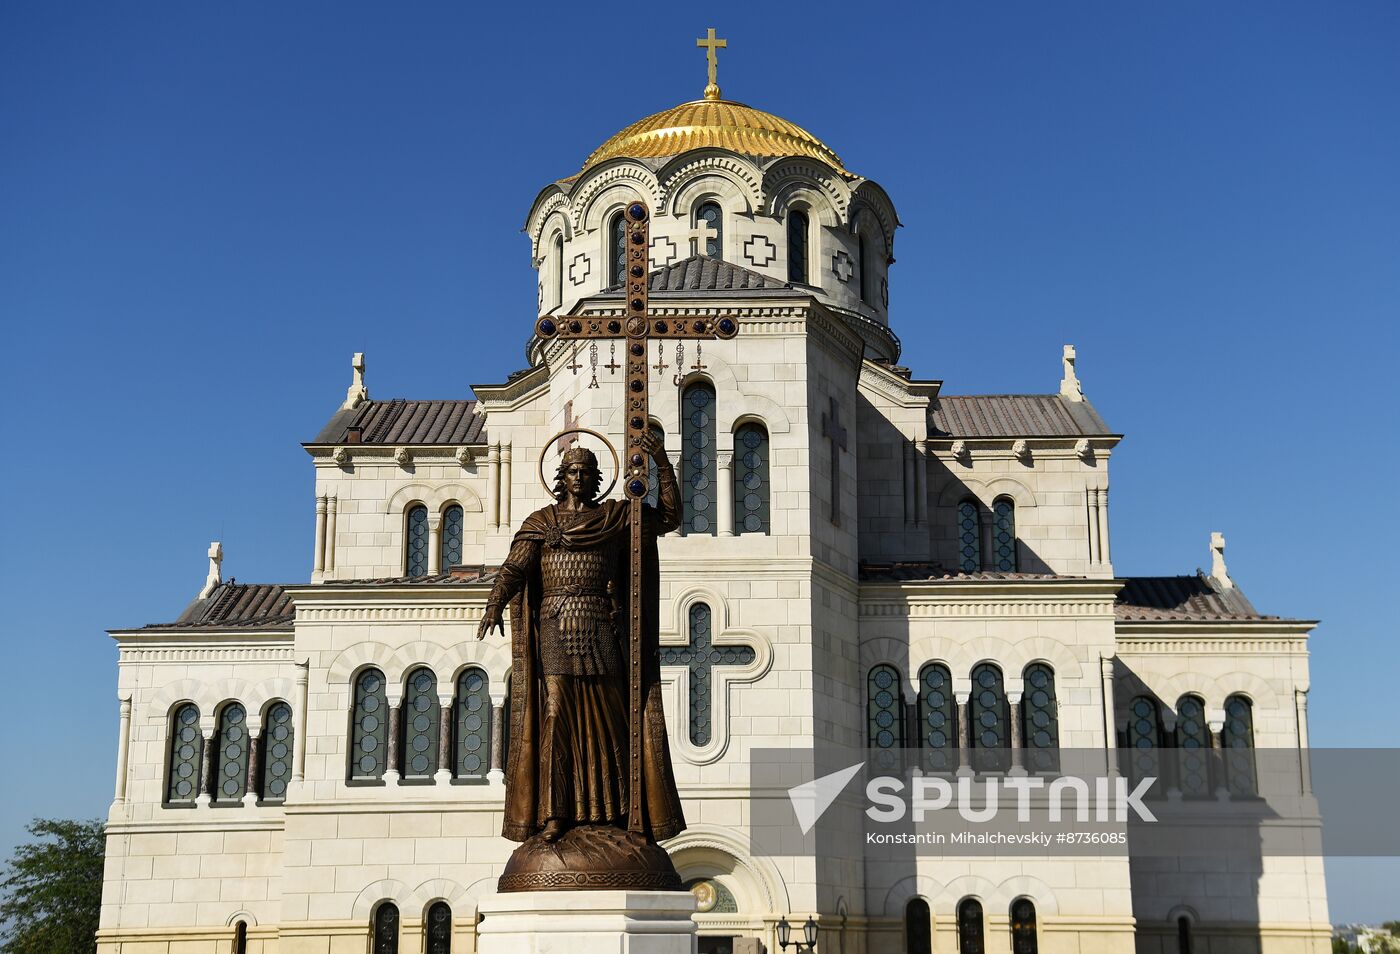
(807, 945)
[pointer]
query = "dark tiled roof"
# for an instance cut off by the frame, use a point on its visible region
(235, 605)
(1182, 598)
(702, 273)
(408, 422)
(916, 572)
(1015, 415)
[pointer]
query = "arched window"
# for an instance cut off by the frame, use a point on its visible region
(416, 542)
(1040, 721)
(938, 726)
(653, 496)
(617, 250)
(276, 752)
(970, 940)
(1004, 534)
(885, 708)
(990, 719)
(969, 538)
(751, 485)
(439, 928)
(698, 439)
(1237, 739)
(451, 550)
(918, 928)
(1183, 935)
(386, 929)
(231, 773)
(710, 214)
(420, 725)
(1023, 939)
(186, 755)
(1193, 747)
(1144, 738)
(369, 732)
(867, 271)
(558, 270)
(797, 233)
(240, 938)
(473, 723)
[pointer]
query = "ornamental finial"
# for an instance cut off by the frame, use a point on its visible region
(711, 43)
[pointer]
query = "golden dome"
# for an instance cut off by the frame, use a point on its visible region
(717, 123)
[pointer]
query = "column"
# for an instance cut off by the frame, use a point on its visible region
(505, 485)
(123, 746)
(497, 774)
(434, 544)
(444, 773)
(1103, 526)
(493, 486)
(253, 782)
(909, 511)
(332, 507)
(1217, 757)
(1092, 512)
(391, 770)
(318, 564)
(1110, 737)
(299, 733)
(1300, 703)
(1017, 743)
(724, 493)
(202, 795)
(964, 711)
(984, 523)
(920, 483)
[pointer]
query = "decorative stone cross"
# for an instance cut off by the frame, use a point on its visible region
(701, 657)
(832, 429)
(700, 237)
(569, 440)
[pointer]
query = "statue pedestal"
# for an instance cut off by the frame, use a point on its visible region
(587, 922)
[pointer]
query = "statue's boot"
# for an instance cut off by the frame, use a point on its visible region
(553, 830)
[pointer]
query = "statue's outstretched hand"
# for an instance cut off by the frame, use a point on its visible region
(491, 619)
(653, 445)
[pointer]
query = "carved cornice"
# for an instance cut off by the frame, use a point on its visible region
(512, 394)
(1236, 645)
(897, 388)
(165, 654)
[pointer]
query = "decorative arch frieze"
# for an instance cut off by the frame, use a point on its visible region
(734, 180)
(552, 199)
(907, 889)
(790, 177)
(616, 182)
(388, 889)
(870, 196)
(434, 496)
(987, 492)
(705, 850)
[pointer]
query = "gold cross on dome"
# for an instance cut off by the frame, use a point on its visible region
(710, 44)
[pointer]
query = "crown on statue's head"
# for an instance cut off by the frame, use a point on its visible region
(580, 455)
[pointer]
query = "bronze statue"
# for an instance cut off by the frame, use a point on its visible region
(567, 767)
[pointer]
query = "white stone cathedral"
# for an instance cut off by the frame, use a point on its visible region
(865, 560)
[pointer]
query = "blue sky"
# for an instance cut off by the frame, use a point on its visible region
(204, 209)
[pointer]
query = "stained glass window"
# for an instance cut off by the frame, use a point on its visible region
(1193, 747)
(970, 940)
(653, 496)
(1023, 939)
(386, 929)
(240, 938)
(231, 754)
(711, 215)
(617, 250)
(1183, 935)
(420, 725)
(439, 928)
(701, 656)
(558, 270)
(186, 754)
(885, 708)
(698, 440)
(751, 484)
(969, 538)
(990, 719)
(1144, 738)
(797, 230)
(938, 726)
(451, 537)
(277, 752)
(473, 705)
(867, 273)
(918, 928)
(369, 734)
(416, 542)
(1040, 721)
(1237, 739)
(1004, 534)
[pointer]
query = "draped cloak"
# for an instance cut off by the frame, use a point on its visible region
(607, 523)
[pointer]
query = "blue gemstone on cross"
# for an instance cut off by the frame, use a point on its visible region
(701, 657)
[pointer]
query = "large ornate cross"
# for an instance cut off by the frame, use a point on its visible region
(638, 327)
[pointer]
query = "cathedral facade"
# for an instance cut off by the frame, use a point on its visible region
(865, 560)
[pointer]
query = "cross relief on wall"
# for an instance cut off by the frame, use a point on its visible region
(759, 251)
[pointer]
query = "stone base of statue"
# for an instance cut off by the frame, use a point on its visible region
(586, 922)
(590, 858)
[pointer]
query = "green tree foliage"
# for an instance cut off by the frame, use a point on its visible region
(1393, 927)
(1340, 946)
(52, 889)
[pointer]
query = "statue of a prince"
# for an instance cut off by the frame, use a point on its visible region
(567, 771)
